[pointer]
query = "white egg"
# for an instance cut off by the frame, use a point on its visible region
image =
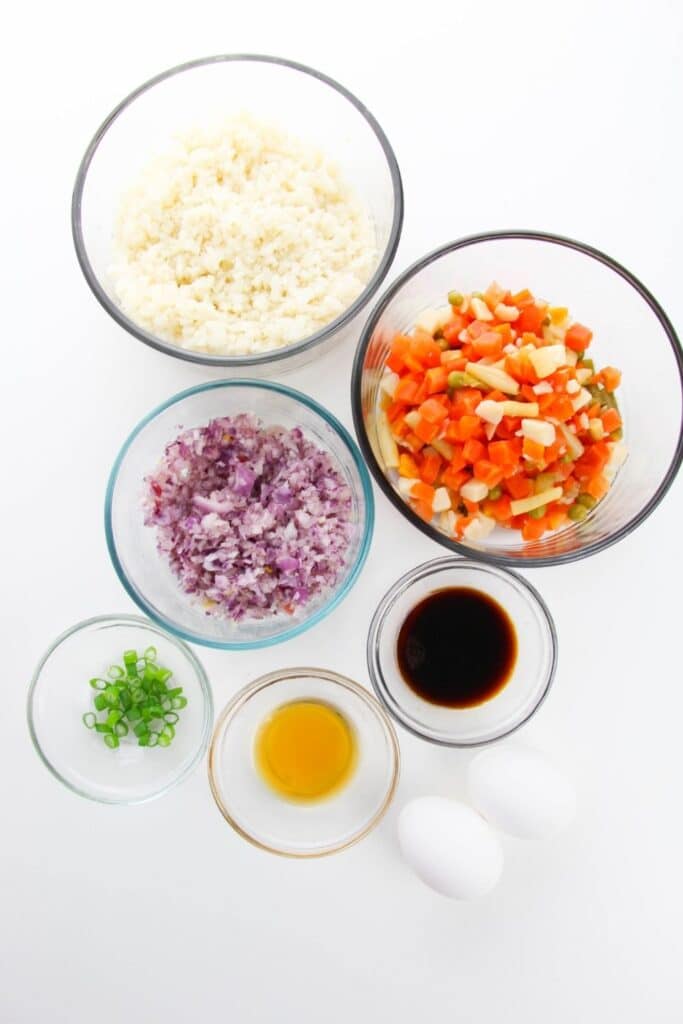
(520, 792)
(450, 847)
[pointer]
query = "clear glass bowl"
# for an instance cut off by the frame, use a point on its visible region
(132, 545)
(631, 331)
(531, 676)
(60, 694)
(293, 829)
(303, 101)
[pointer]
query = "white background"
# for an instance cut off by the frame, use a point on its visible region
(564, 117)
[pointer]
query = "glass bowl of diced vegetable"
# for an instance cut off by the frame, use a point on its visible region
(519, 395)
(119, 710)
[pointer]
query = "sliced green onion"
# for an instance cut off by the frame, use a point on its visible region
(99, 684)
(115, 672)
(121, 729)
(179, 702)
(153, 740)
(141, 729)
(171, 718)
(111, 740)
(164, 741)
(102, 727)
(100, 702)
(150, 654)
(89, 719)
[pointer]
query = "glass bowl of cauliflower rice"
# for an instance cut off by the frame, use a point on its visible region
(237, 211)
(518, 396)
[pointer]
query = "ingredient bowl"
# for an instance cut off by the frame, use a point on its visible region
(199, 96)
(531, 675)
(60, 694)
(293, 829)
(146, 574)
(631, 332)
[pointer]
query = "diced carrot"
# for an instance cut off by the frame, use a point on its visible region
(528, 392)
(545, 402)
(502, 453)
(425, 349)
(553, 451)
(533, 450)
(461, 524)
(423, 510)
(454, 478)
(421, 394)
(597, 486)
(414, 442)
(531, 319)
(426, 431)
(488, 473)
(473, 450)
(505, 332)
(477, 328)
(458, 461)
(412, 363)
(465, 401)
(453, 328)
(496, 396)
(406, 390)
(533, 529)
(537, 340)
(423, 492)
(519, 486)
(407, 466)
(468, 426)
(611, 420)
(560, 408)
(578, 338)
(489, 343)
(468, 352)
(561, 469)
(556, 516)
(593, 411)
(399, 347)
(499, 509)
(471, 506)
(431, 464)
(523, 298)
(394, 410)
(399, 427)
(611, 378)
(433, 411)
(436, 379)
(452, 361)
(591, 463)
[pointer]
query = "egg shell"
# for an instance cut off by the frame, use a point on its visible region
(450, 847)
(521, 792)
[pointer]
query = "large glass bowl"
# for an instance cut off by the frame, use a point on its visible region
(631, 331)
(531, 676)
(298, 98)
(295, 829)
(60, 694)
(132, 545)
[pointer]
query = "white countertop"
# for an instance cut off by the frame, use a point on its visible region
(568, 117)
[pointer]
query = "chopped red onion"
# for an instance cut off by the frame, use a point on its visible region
(253, 520)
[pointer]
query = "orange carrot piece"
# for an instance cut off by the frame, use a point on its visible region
(407, 466)
(533, 450)
(488, 473)
(611, 420)
(426, 431)
(473, 450)
(519, 486)
(436, 378)
(611, 378)
(597, 486)
(578, 338)
(533, 529)
(433, 411)
(431, 464)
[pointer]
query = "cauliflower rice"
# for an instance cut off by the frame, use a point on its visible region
(239, 240)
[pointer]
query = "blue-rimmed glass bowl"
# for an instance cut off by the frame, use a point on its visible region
(132, 545)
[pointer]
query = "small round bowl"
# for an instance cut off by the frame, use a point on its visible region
(294, 829)
(631, 331)
(301, 100)
(132, 546)
(531, 675)
(60, 694)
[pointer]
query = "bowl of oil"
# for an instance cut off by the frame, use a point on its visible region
(303, 762)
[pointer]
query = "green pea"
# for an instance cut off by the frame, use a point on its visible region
(617, 434)
(587, 500)
(577, 512)
(455, 298)
(495, 493)
(543, 482)
(538, 513)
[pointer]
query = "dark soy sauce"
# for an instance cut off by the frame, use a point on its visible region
(457, 648)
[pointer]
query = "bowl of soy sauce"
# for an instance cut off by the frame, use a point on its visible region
(460, 652)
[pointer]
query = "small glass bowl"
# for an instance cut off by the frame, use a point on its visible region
(60, 694)
(294, 829)
(531, 675)
(132, 546)
(300, 99)
(629, 326)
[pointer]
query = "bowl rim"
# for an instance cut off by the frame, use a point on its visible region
(337, 596)
(234, 706)
(204, 685)
(404, 583)
(275, 356)
(491, 556)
